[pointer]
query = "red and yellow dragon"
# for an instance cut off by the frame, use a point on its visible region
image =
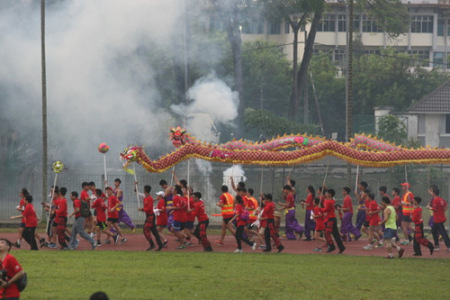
(361, 150)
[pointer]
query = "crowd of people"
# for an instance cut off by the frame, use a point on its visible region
(97, 215)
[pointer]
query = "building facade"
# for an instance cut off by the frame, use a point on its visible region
(427, 37)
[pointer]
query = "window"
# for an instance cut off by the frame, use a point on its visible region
(327, 24)
(422, 24)
(339, 57)
(438, 60)
(369, 25)
(254, 26)
(342, 23)
(356, 23)
(274, 28)
(447, 123)
(440, 28)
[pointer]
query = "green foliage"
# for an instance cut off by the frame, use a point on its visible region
(392, 129)
(392, 16)
(263, 123)
(142, 275)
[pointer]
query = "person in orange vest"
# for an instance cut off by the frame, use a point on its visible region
(226, 203)
(407, 210)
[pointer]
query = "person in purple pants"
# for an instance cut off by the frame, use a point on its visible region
(123, 216)
(361, 196)
(292, 226)
(347, 223)
(308, 204)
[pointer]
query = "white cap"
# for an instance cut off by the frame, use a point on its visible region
(160, 193)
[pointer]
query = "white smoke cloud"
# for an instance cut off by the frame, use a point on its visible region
(93, 96)
(212, 103)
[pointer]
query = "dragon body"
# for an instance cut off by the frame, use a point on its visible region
(374, 153)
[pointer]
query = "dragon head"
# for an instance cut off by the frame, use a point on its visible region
(177, 136)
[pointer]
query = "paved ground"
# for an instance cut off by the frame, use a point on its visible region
(137, 242)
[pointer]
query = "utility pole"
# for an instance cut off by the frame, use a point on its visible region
(349, 84)
(44, 105)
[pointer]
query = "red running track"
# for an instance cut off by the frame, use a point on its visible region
(137, 242)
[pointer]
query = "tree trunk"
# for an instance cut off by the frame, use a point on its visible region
(293, 112)
(44, 105)
(303, 71)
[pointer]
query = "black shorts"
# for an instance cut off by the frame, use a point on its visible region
(113, 220)
(406, 219)
(227, 220)
(22, 225)
(101, 225)
(189, 225)
(366, 224)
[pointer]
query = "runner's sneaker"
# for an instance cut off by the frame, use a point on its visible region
(368, 247)
(99, 244)
(238, 251)
(116, 239)
(151, 248)
(437, 248)
(165, 244)
(123, 241)
(107, 242)
(220, 243)
(262, 247)
(379, 245)
(42, 242)
(93, 246)
(318, 249)
(400, 252)
(181, 247)
(404, 243)
(280, 248)
(52, 245)
(17, 245)
(254, 247)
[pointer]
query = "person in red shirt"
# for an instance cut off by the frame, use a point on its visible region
(419, 239)
(331, 223)
(14, 271)
(308, 204)
(30, 222)
(100, 210)
(89, 222)
(292, 226)
(241, 216)
(178, 207)
(113, 215)
(61, 218)
(267, 221)
(320, 223)
(150, 224)
(347, 227)
(374, 222)
(188, 210)
(161, 216)
(438, 207)
(203, 221)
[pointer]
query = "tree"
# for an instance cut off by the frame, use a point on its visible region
(392, 16)
(296, 13)
(266, 76)
(264, 125)
(229, 12)
(391, 129)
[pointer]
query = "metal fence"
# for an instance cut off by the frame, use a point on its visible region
(262, 179)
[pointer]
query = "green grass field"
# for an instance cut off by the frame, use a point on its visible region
(171, 275)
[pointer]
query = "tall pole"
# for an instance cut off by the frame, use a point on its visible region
(349, 77)
(349, 83)
(44, 105)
